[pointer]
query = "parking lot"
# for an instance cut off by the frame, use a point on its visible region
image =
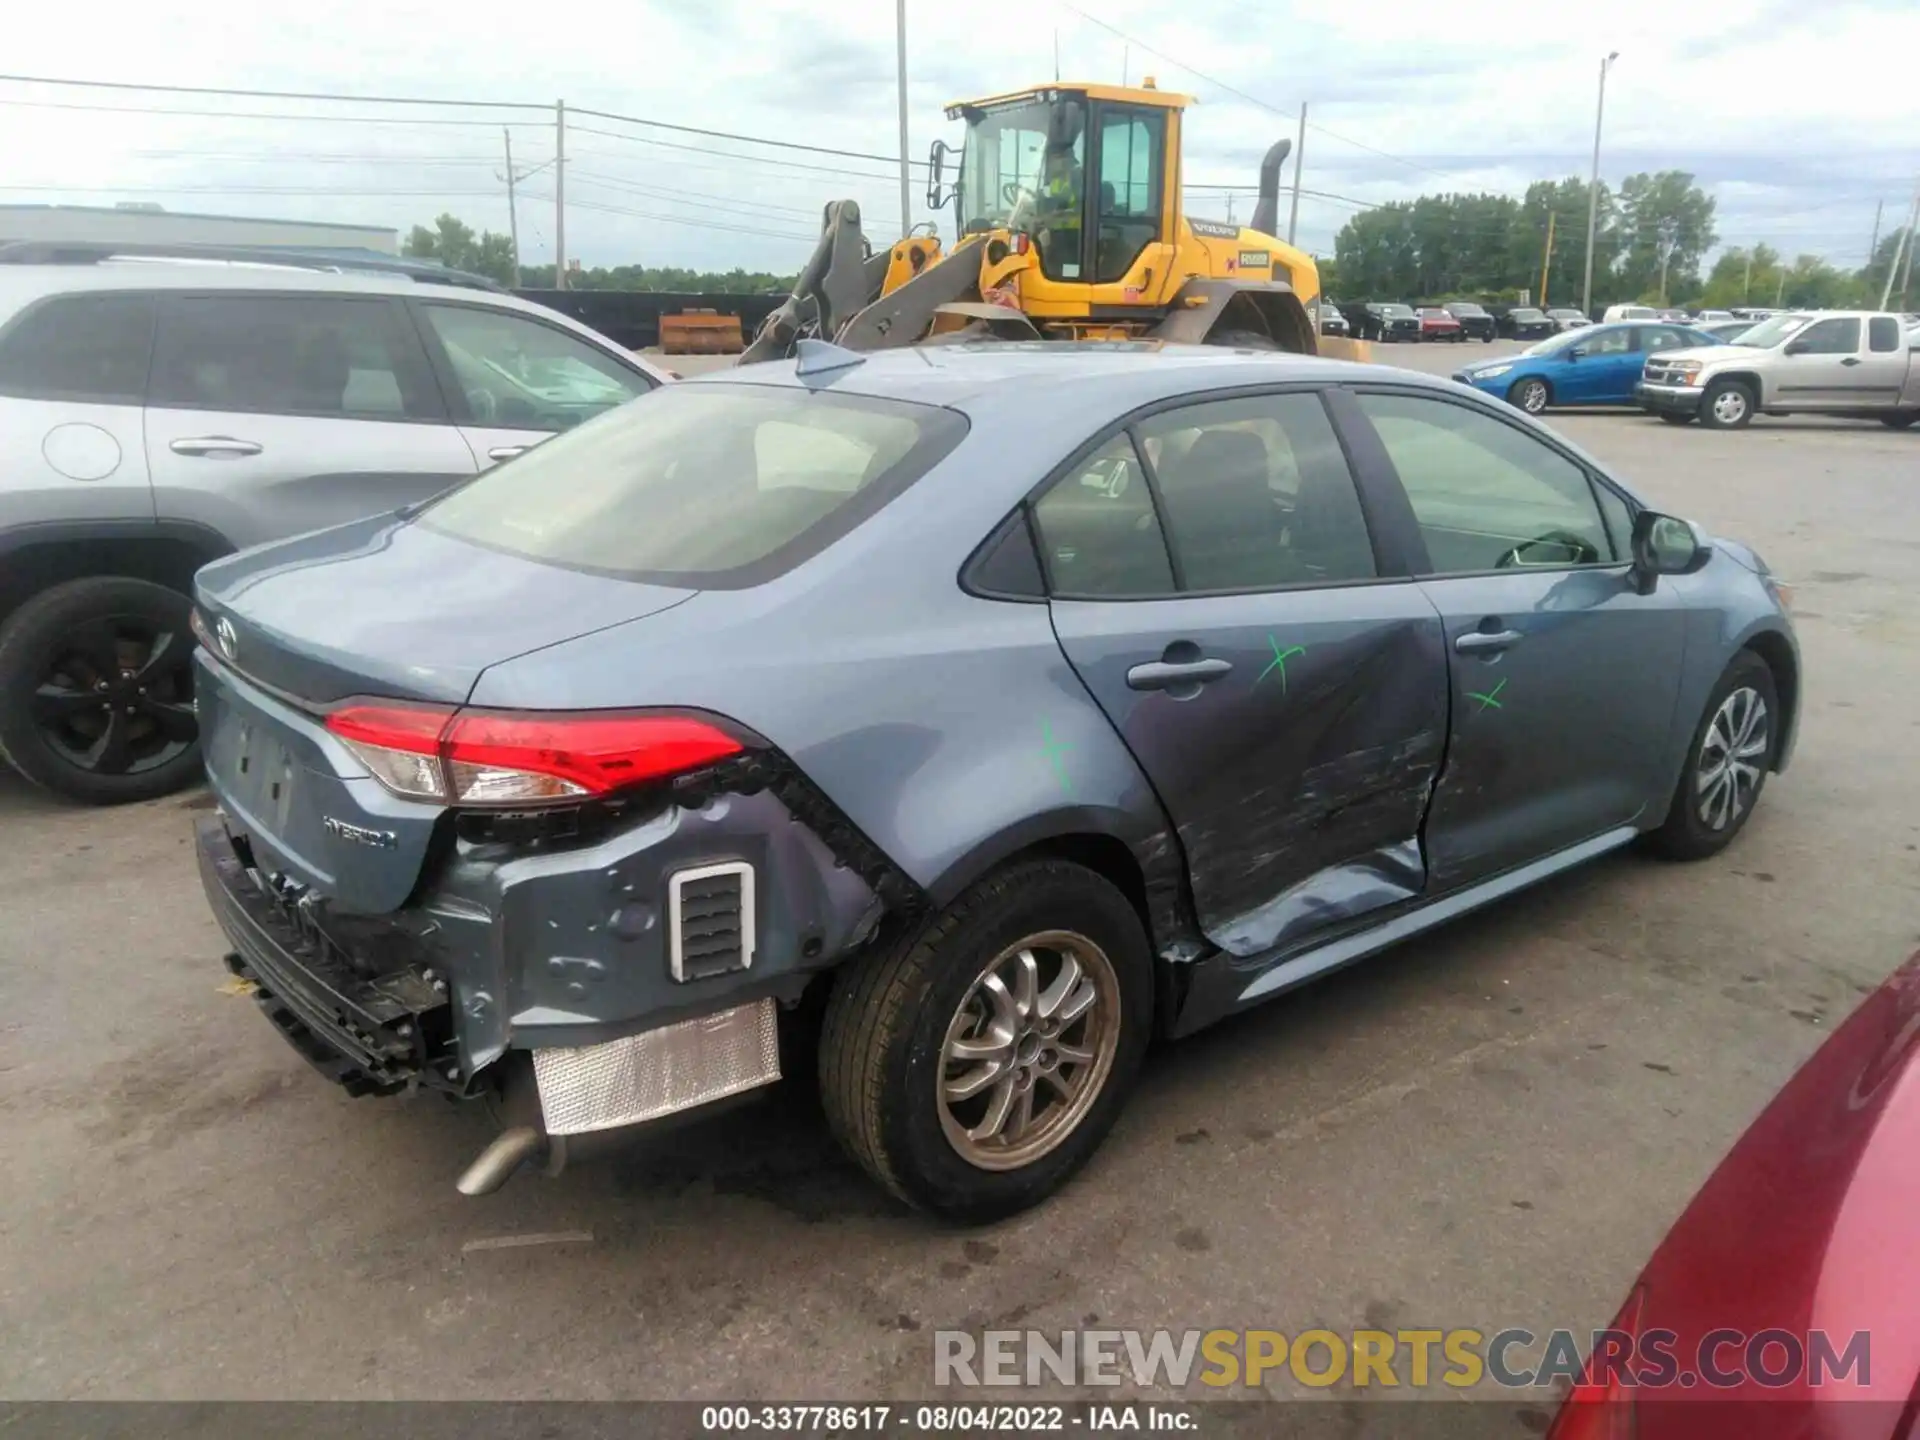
(1490, 1127)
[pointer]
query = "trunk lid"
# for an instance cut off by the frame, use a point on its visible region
(382, 607)
(378, 608)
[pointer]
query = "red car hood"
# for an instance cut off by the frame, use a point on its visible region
(1811, 1223)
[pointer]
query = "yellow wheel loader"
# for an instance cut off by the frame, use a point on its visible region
(1071, 227)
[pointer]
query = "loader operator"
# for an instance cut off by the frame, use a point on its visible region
(1057, 214)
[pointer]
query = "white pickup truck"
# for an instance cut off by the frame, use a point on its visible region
(1820, 362)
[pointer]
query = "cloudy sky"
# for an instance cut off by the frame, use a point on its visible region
(1796, 116)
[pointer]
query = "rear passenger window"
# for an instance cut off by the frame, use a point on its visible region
(80, 347)
(292, 355)
(1098, 530)
(1486, 494)
(1257, 494)
(1883, 333)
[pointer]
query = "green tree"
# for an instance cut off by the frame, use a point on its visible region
(1666, 226)
(1873, 279)
(454, 244)
(1565, 201)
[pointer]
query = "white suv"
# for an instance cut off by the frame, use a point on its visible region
(163, 407)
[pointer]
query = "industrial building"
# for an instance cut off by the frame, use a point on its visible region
(150, 225)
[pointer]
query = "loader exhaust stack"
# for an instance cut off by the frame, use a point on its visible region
(1266, 211)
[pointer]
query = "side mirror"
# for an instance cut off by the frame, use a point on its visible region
(1666, 545)
(1796, 347)
(1575, 352)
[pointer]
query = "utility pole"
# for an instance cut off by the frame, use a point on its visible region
(1780, 290)
(1906, 265)
(1746, 285)
(900, 42)
(1593, 186)
(1299, 158)
(513, 210)
(1874, 243)
(559, 194)
(1902, 253)
(1546, 261)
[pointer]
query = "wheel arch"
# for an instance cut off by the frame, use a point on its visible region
(1782, 660)
(1144, 863)
(1518, 380)
(1204, 306)
(1748, 378)
(34, 558)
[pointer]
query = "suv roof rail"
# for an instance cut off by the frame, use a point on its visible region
(92, 252)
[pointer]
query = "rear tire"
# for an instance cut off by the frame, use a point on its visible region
(1900, 419)
(888, 1062)
(1727, 405)
(1725, 772)
(96, 692)
(1242, 340)
(1674, 419)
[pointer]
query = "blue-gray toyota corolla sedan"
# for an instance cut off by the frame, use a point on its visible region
(993, 708)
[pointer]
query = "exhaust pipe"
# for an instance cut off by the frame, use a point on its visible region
(1266, 211)
(494, 1166)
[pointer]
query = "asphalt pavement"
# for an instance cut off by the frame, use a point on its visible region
(1489, 1127)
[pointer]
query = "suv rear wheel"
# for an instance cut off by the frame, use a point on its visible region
(96, 690)
(974, 1065)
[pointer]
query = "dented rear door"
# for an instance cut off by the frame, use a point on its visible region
(1288, 704)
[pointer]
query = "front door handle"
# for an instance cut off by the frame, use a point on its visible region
(1169, 675)
(215, 446)
(506, 452)
(1480, 642)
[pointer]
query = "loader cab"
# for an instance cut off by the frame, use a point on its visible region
(1081, 171)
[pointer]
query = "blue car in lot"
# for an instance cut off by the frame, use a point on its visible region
(1596, 365)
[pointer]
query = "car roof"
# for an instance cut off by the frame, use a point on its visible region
(1078, 381)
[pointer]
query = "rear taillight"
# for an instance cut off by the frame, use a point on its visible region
(516, 758)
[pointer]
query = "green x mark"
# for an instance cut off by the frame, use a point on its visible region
(1488, 701)
(1279, 662)
(1054, 750)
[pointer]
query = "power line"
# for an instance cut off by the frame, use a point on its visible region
(748, 139)
(273, 94)
(1242, 94)
(721, 202)
(680, 220)
(408, 120)
(727, 154)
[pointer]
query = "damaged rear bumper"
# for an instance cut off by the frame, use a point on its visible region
(578, 983)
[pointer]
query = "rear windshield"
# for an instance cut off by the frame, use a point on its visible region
(1462, 307)
(707, 486)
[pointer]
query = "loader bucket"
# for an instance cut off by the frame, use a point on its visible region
(701, 332)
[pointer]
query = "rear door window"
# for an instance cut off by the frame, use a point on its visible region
(715, 486)
(80, 347)
(518, 373)
(1883, 333)
(337, 357)
(1099, 532)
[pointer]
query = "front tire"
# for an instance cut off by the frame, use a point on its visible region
(1673, 418)
(973, 1065)
(96, 691)
(1900, 419)
(1727, 764)
(1530, 395)
(1727, 405)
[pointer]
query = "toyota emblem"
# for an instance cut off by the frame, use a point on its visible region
(228, 641)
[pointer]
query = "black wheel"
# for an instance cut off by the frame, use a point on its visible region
(1487, 338)
(1673, 418)
(1530, 395)
(1900, 419)
(974, 1065)
(96, 691)
(1242, 340)
(1727, 764)
(1727, 405)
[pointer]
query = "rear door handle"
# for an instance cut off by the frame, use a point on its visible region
(1166, 675)
(1851, 360)
(506, 452)
(1481, 641)
(215, 446)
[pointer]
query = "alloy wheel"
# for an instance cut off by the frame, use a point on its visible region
(116, 697)
(1029, 1050)
(1730, 406)
(1731, 756)
(1533, 397)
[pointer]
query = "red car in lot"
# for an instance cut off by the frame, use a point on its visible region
(1437, 324)
(1785, 1302)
